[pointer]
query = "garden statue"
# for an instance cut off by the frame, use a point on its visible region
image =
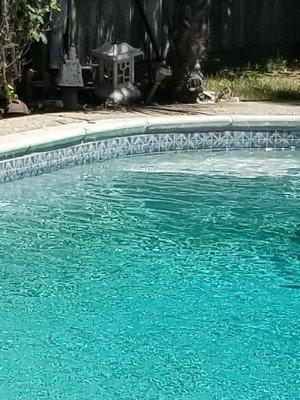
(116, 75)
(70, 72)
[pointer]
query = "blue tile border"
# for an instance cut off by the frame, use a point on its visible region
(109, 148)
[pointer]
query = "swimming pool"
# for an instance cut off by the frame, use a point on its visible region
(166, 276)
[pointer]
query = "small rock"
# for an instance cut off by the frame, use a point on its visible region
(209, 96)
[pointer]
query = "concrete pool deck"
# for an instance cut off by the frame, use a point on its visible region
(36, 133)
(39, 121)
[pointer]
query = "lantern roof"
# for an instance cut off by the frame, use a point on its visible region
(117, 51)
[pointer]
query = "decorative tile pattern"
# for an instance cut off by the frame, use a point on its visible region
(40, 163)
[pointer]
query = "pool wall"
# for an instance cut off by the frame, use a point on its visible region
(29, 154)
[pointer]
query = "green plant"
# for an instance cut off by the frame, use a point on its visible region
(258, 86)
(22, 22)
(36, 14)
(10, 93)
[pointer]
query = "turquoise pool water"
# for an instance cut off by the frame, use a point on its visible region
(171, 276)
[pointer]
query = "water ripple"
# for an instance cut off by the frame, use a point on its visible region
(169, 276)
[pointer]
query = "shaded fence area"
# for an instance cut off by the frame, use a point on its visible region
(99, 21)
(239, 30)
(250, 30)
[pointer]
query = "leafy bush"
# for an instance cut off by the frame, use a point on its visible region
(22, 22)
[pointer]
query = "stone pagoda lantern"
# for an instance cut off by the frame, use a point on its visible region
(115, 78)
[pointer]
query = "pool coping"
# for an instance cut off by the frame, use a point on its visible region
(24, 143)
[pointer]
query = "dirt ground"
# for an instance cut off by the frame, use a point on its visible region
(29, 123)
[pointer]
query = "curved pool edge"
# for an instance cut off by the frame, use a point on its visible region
(44, 150)
(16, 145)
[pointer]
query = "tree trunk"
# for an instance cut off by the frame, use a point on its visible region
(188, 38)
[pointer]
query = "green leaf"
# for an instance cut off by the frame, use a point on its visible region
(43, 38)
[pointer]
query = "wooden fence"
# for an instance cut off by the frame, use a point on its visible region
(239, 29)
